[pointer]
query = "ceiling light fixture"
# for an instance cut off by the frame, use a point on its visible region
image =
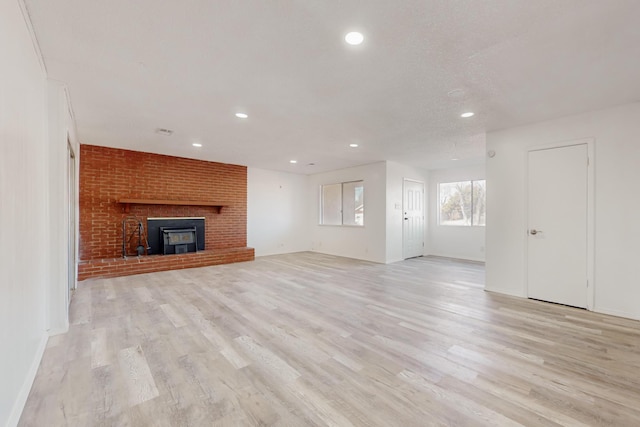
(293, 161)
(353, 145)
(241, 115)
(467, 114)
(197, 144)
(354, 38)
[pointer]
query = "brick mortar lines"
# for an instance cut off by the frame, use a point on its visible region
(109, 174)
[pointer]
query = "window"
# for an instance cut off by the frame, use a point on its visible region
(463, 203)
(342, 204)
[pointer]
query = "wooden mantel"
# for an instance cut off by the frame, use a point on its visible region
(128, 202)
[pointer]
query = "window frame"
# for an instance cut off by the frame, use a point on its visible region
(342, 213)
(471, 182)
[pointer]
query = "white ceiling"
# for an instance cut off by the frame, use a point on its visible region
(135, 66)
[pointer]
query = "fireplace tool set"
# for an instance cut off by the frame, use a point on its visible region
(131, 228)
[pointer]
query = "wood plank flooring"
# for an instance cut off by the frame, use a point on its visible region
(315, 340)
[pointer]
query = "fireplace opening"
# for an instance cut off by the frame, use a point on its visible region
(179, 240)
(175, 235)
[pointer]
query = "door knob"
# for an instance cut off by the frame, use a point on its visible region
(534, 232)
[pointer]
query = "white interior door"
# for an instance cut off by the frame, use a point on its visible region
(71, 197)
(557, 225)
(413, 219)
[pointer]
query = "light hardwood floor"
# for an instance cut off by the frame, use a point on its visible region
(314, 340)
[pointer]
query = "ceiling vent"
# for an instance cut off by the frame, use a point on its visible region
(165, 132)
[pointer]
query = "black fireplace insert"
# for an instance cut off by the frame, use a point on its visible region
(175, 235)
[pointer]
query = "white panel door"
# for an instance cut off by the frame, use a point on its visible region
(71, 198)
(557, 225)
(413, 219)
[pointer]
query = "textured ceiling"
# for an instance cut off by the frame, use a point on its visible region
(135, 66)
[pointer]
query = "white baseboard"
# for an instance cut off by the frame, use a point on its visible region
(282, 252)
(617, 313)
(23, 395)
(58, 331)
(505, 292)
(457, 256)
(363, 258)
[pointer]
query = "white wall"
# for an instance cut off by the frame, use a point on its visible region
(617, 229)
(396, 173)
(24, 184)
(368, 242)
(453, 241)
(283, 212)
(277, 212)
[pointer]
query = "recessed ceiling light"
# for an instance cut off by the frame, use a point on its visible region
(241, 115)
(455, 158)
(197, 144)
(353, 145)
(467, 114)
(354, 38)
(293, 161)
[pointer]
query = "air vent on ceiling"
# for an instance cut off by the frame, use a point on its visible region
(165, 132)
(456, 93)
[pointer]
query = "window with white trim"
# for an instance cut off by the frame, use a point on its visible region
(462, 203)
(342, 203)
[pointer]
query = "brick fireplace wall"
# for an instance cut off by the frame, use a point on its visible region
(110, 174)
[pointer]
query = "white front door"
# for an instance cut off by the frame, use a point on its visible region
(413, 219)
(557, 225)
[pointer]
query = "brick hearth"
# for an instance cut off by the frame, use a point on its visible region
(114, 267)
